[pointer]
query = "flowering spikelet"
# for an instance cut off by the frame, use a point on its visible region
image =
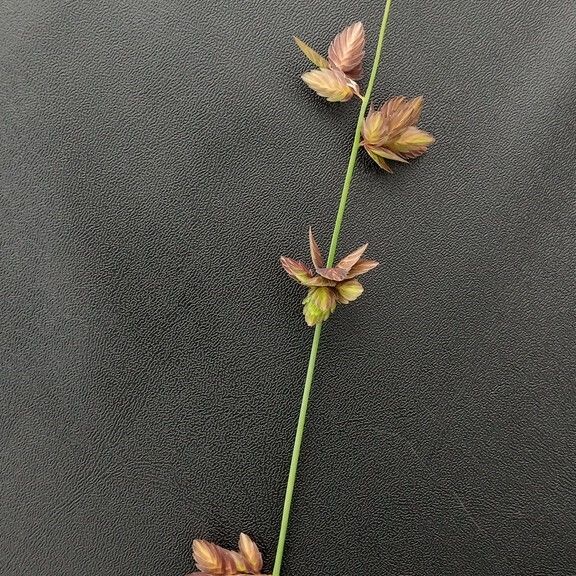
(328, 286)
(330, 84)
(335, 78)
(250, 553)
(390, 133)
(213, 560)
(346, 51)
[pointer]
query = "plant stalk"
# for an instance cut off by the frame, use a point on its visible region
(296, 450)
(357, 136)
(317, 331)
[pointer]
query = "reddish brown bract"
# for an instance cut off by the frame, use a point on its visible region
(328, 286)
(213, 560)
(346, 51)
(335, 77)
(389, 133)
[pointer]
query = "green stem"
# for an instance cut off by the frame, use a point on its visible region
(356, 143)
(296, 450)
(330, 261)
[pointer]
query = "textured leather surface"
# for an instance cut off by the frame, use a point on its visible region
(157, 156)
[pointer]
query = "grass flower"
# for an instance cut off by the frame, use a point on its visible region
(213, 560)
(335, 78)
(328, 286)
(390, 133)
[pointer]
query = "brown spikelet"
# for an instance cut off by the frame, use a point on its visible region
(388, 154)
(335, 274)
(373, 126)
(390, 107)
(250, 553)
(378, 159)
(340, 271)
(296, 270)
(302, 274)
(209, 558)
(361, 267)
(216, 561)
(390, 133)
(328, 286)
(401, 112)
(331, 84)
(348, 261)
(412, 142)
(311, 54)
(315, 253)
(346, 51)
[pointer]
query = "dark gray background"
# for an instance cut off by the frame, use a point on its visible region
(156, 157)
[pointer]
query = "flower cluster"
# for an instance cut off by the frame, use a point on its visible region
(213, 560)
(389, 132)
(334, 79)
(328, 286)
